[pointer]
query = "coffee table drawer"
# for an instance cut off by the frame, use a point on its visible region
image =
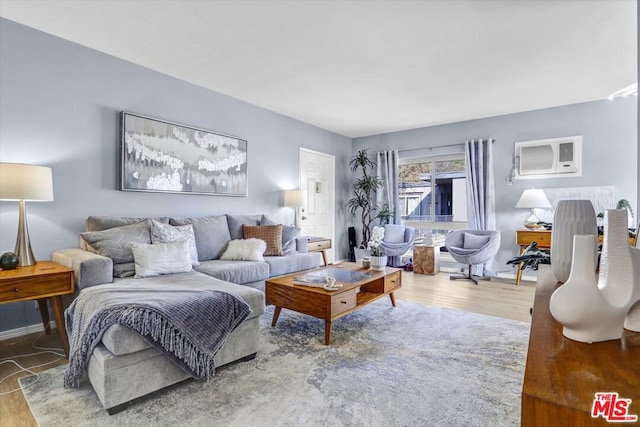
(392, 281)
(342, 302)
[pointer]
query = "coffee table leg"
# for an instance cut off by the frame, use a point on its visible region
(393, 299)
(327, 332)
(276, 314)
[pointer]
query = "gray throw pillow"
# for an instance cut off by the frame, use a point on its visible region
(394, 233)
(236, 222)
(99, 223)
(161, 258)
(211, 233)
(472, 241)
(115, 243)
(167, 233)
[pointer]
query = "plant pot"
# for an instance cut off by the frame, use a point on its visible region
(378, 263)
(360, 253)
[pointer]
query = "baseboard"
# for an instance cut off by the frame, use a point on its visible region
(25, 330)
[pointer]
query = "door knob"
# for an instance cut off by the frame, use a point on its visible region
(303, 217)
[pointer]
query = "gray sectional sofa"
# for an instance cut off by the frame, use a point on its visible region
(123, 366)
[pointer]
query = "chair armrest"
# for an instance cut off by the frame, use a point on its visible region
(89, 269)
(302, 244)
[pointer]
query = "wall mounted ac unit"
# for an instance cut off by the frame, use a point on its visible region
(549, 158)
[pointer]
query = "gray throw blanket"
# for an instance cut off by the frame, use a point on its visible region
(189, 324)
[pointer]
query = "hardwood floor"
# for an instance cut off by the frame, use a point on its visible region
(13, 406)
(498, 297)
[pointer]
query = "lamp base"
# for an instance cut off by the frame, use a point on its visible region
(532, 222)
(23, 245)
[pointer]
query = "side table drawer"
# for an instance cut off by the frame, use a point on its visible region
(319, 245)
(542, 238)
(392, 281)
(25, 288)
(342, 302)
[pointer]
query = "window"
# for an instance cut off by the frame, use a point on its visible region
(433, 191)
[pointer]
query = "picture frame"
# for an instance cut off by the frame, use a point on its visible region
(164, 157)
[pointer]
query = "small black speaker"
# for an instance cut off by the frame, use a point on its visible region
(352, 244)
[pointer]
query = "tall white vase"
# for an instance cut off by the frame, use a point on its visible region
(578, 304)
(616, 268)
(572, 217)
(619, 279)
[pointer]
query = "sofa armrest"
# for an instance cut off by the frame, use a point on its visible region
(302, 244)
(89, 269)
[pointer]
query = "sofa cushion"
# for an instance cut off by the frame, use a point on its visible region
(235, 223)
(271, 234)
(115, 243)
(167, 233)
(289, 234)
(160, 258)
(279, 265)
(244, 250)
(99, 223)
(212, 235)
(239, 272)
(120, 340)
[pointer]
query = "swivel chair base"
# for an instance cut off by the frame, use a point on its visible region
(471, 277)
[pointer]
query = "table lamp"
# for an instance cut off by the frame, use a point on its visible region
(531, 199)
(22, 183)
(294, 199)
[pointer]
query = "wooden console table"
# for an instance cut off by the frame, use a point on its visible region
(562, 376)
(43, 281)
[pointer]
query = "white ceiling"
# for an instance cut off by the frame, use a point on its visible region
(366, 67)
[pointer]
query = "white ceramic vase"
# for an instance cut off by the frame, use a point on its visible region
(378, 263)
(571, 217)
(578, 304)
(619, 279)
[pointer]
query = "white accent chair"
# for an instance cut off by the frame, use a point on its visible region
(397, 240)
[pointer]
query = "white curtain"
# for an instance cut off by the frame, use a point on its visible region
(481, 195)
(387, 170)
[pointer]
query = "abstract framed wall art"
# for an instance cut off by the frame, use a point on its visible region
(161, 156)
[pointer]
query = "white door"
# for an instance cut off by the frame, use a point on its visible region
(317, 177)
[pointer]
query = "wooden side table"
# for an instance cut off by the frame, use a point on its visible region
(426, 259)
(524, 239)
(320, 244)
(44, 281)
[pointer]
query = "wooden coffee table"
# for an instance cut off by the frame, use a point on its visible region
(331, 305)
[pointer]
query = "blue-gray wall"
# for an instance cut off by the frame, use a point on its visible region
(59, 105)
(609, 145)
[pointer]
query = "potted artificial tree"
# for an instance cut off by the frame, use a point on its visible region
(361, 203)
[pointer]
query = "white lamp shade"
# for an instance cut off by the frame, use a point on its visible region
(533, 198)
(293, 198)
(25, 182)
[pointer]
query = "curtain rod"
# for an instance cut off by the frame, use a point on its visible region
(439, 146)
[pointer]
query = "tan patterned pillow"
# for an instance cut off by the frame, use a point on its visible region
(271, 234)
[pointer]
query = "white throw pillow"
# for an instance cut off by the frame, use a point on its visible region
(161, 258)
(245, 250)
(166, 233)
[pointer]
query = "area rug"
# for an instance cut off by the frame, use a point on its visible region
(406, 366)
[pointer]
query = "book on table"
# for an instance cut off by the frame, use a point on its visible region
(316, 279)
